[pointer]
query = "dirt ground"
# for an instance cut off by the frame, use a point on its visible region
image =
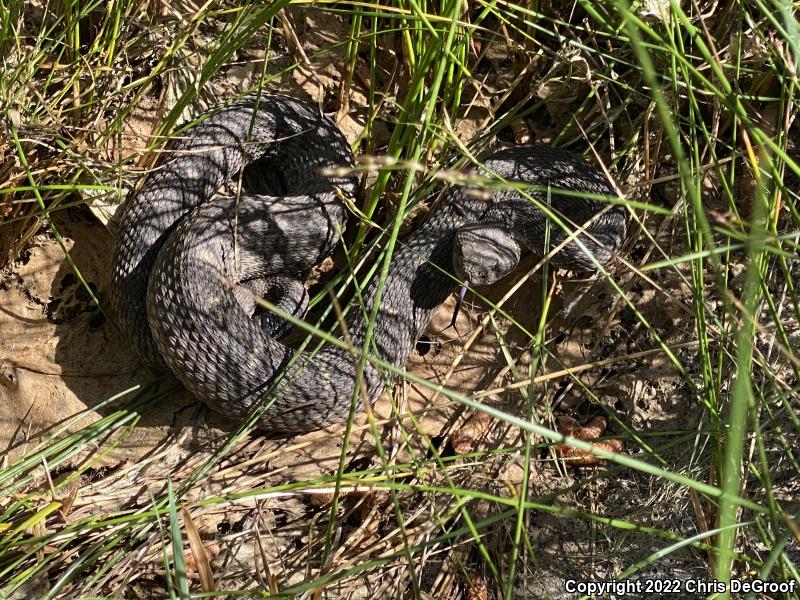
(61, 358)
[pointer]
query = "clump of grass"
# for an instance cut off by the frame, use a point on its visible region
(694, 106)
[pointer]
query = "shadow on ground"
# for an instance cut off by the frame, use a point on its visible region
(62, 358)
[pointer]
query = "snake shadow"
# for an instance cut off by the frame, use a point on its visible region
(98, 369)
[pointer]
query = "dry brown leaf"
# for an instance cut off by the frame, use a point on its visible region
(320, 499)
(575, 456)
(324, 498)
(198, 560)
(466, 439)
(477, 589)
(371, 500)
(591, 431)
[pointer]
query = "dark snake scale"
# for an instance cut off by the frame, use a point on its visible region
(188, 260)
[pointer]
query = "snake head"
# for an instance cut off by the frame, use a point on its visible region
(483, 254)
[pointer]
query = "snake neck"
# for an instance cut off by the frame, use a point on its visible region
(419, 279)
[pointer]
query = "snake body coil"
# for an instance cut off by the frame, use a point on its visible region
(185, 258)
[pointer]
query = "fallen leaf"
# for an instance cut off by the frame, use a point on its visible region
(466, 439)
(589, 432)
